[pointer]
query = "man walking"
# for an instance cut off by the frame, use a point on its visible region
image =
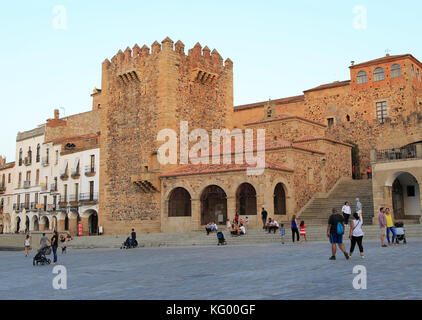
(383, 226)
(264, 215)
(333, 233)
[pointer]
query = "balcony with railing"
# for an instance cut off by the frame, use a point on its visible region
(410, 152)
(28, 161)
(33, 206)
(51, 207)
(75, 174)
(2, 189)
(27, 184)
(45, 161)
(90, 171)
(16, 207)
(88, 197)
(63, 201)
(53, 187)
(64, 176)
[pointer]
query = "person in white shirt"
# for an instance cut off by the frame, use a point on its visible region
(346, 212)
(242, 229)
(356, 234)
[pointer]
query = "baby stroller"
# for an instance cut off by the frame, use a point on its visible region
(400, 234)
(40, 257)
(129, 244)
(221, 240)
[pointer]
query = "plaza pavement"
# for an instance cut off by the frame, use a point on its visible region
(260, 271)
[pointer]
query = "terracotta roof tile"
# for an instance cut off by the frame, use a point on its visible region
(195, 169)
(384, 60)
(285, 116)
(308, 138)
(277, 101)
(330, 85)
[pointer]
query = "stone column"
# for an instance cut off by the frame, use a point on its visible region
(60, 225)
(231, 208)
(196, 214)
(85, 226)
(73, 228)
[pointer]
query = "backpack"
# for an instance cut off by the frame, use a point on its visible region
(340, 228)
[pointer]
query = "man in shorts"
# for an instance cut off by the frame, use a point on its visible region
(335, 238)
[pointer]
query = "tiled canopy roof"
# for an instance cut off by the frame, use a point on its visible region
(277, 101)
(308, 138)
(195, 169)
(285, 116)
(330, 85)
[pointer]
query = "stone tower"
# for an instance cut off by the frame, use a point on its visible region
(143, 92)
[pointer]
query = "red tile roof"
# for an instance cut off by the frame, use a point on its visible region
(277, 101)
(334, 84)
(384, 60)
(195, 169)
(308, 138)
(285, 116)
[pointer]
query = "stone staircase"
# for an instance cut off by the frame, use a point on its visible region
(200, 238)
(318, 209)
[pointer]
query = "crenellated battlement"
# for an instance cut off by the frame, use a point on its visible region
(197, 57)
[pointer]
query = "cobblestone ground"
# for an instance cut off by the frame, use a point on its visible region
(239, 272)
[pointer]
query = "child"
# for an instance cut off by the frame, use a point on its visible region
(247, 222)
(302, 231)
(27, 245)
(282, 233)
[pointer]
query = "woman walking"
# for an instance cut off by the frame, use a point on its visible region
(54, 245)
(294, 229)
(390, 227)
(27, 244)
(356, 234)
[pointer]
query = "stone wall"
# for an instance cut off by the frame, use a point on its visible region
(145, 92)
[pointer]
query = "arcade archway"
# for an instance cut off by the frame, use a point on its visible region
(213, 205)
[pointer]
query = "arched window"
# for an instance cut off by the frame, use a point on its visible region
(413, 70)
(379, 74)
(179, 203)
(395, 71)
(279, 200)
(418, 75)
(246, 200)
(362, 77)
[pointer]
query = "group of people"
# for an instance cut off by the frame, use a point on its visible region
(45, 242)
(386, 223)
(272, 225)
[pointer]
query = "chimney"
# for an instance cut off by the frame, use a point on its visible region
(56, 114)
(353, 63)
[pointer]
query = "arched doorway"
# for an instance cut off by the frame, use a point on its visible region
(66, 223)
(54, 223)
(18, 224)
(179, 203)
(280, 199)
(213, 205)
(246, 200)
(46, 223)
(93, 223)
(35, 224)
(26, 224)
(406, 196)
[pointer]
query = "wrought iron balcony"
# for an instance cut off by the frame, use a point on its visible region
(90, 170)
(53, 187)
(75, 174)
(2, 189)
(28, 161)
(16, 207)
(45, 161)
(27, 184)
(88, 197)
(64, 176)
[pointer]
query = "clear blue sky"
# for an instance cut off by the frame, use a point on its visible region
(279, 48)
